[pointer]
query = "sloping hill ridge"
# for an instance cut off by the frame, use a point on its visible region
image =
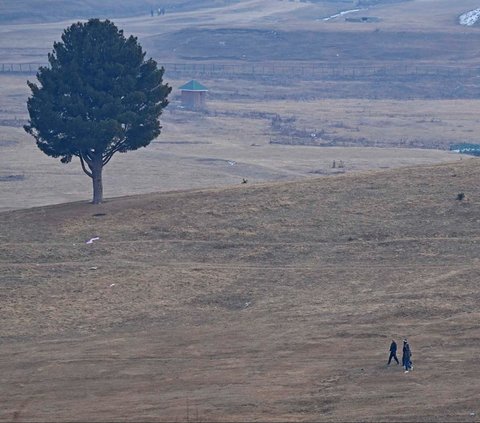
(268, 302)
(35, 11)
(266, 45)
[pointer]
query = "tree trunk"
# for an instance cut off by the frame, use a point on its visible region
(97, 168)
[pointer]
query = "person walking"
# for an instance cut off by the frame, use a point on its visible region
(407, 356)
(393, 352)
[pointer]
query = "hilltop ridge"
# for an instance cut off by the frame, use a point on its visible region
(36, 11)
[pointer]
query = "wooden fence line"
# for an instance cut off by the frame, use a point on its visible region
(19, 67)
(299, 71)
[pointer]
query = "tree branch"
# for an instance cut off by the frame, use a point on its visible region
(88, 158)
(116, 148)
(83, 166)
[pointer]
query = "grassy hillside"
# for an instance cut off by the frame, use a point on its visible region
(329, 47)
(35, 11)
(270, 302)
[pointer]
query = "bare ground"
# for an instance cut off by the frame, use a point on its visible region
(268, 302)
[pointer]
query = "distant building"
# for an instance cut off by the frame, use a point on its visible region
(368, 19)
(193, 95)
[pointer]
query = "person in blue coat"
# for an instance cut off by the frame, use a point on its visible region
(393, 352)
(407, 356)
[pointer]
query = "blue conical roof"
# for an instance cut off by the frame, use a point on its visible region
(193, 86)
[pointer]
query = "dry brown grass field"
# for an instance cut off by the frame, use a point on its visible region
(194, 149)
(205, 299)
(274, 302)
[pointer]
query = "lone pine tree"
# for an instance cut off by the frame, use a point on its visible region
(98, 96)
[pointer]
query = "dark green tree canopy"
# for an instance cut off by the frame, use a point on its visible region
(97, 97)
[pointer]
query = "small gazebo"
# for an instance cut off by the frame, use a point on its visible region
(193, 95)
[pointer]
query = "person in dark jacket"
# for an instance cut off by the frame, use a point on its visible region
(393, 352)
(407, 356)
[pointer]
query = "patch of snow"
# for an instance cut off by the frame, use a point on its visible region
(341, 14)
(470, 18)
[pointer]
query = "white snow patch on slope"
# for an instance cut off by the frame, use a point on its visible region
(345, 12)
(470, 18)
